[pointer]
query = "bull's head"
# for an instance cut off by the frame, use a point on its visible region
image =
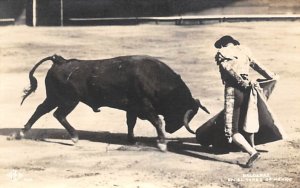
(190, 114)
(182, 115)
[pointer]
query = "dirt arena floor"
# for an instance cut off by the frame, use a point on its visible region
(103, 157)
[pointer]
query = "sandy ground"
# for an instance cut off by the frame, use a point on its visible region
(102, 157)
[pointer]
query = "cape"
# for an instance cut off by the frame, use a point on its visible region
(259, 120)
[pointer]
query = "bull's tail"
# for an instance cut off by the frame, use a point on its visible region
(33, 81)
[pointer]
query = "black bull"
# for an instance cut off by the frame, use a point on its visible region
(142, 86)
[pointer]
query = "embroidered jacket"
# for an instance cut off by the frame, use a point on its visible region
(234, 63)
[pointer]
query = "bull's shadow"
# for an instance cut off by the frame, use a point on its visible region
(50, 135)
(184, 146)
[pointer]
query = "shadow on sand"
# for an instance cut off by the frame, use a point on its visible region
(184, 146)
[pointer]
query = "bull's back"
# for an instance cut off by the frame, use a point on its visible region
(112, 82)
(120, 69)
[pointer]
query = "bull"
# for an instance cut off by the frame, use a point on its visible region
(142, 86)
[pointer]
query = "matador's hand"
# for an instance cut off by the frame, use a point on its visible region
(228, 135)
(229, 140)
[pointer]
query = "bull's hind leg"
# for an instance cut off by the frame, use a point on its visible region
(42, 109)
(131, 121)
(61, 113)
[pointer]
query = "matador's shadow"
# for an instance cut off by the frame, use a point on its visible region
(190, 147)
(184, 146)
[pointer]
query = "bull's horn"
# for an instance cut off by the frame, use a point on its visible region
(186, 121)
(201, 106)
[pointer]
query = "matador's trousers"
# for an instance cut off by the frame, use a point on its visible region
(235, 109)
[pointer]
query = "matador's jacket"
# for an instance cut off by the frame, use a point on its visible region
(234, 63)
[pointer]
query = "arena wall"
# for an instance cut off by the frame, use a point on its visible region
(77, 12)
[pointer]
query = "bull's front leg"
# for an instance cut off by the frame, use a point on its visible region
(161, 139)
(152, 116)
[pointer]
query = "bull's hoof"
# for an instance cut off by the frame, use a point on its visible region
(16, 135)
(162, 145)
(74, 138)
(96, 110)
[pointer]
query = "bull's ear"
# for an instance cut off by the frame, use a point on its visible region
(201, 106)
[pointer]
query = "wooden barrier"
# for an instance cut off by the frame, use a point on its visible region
(7, 21)
(182, 20)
